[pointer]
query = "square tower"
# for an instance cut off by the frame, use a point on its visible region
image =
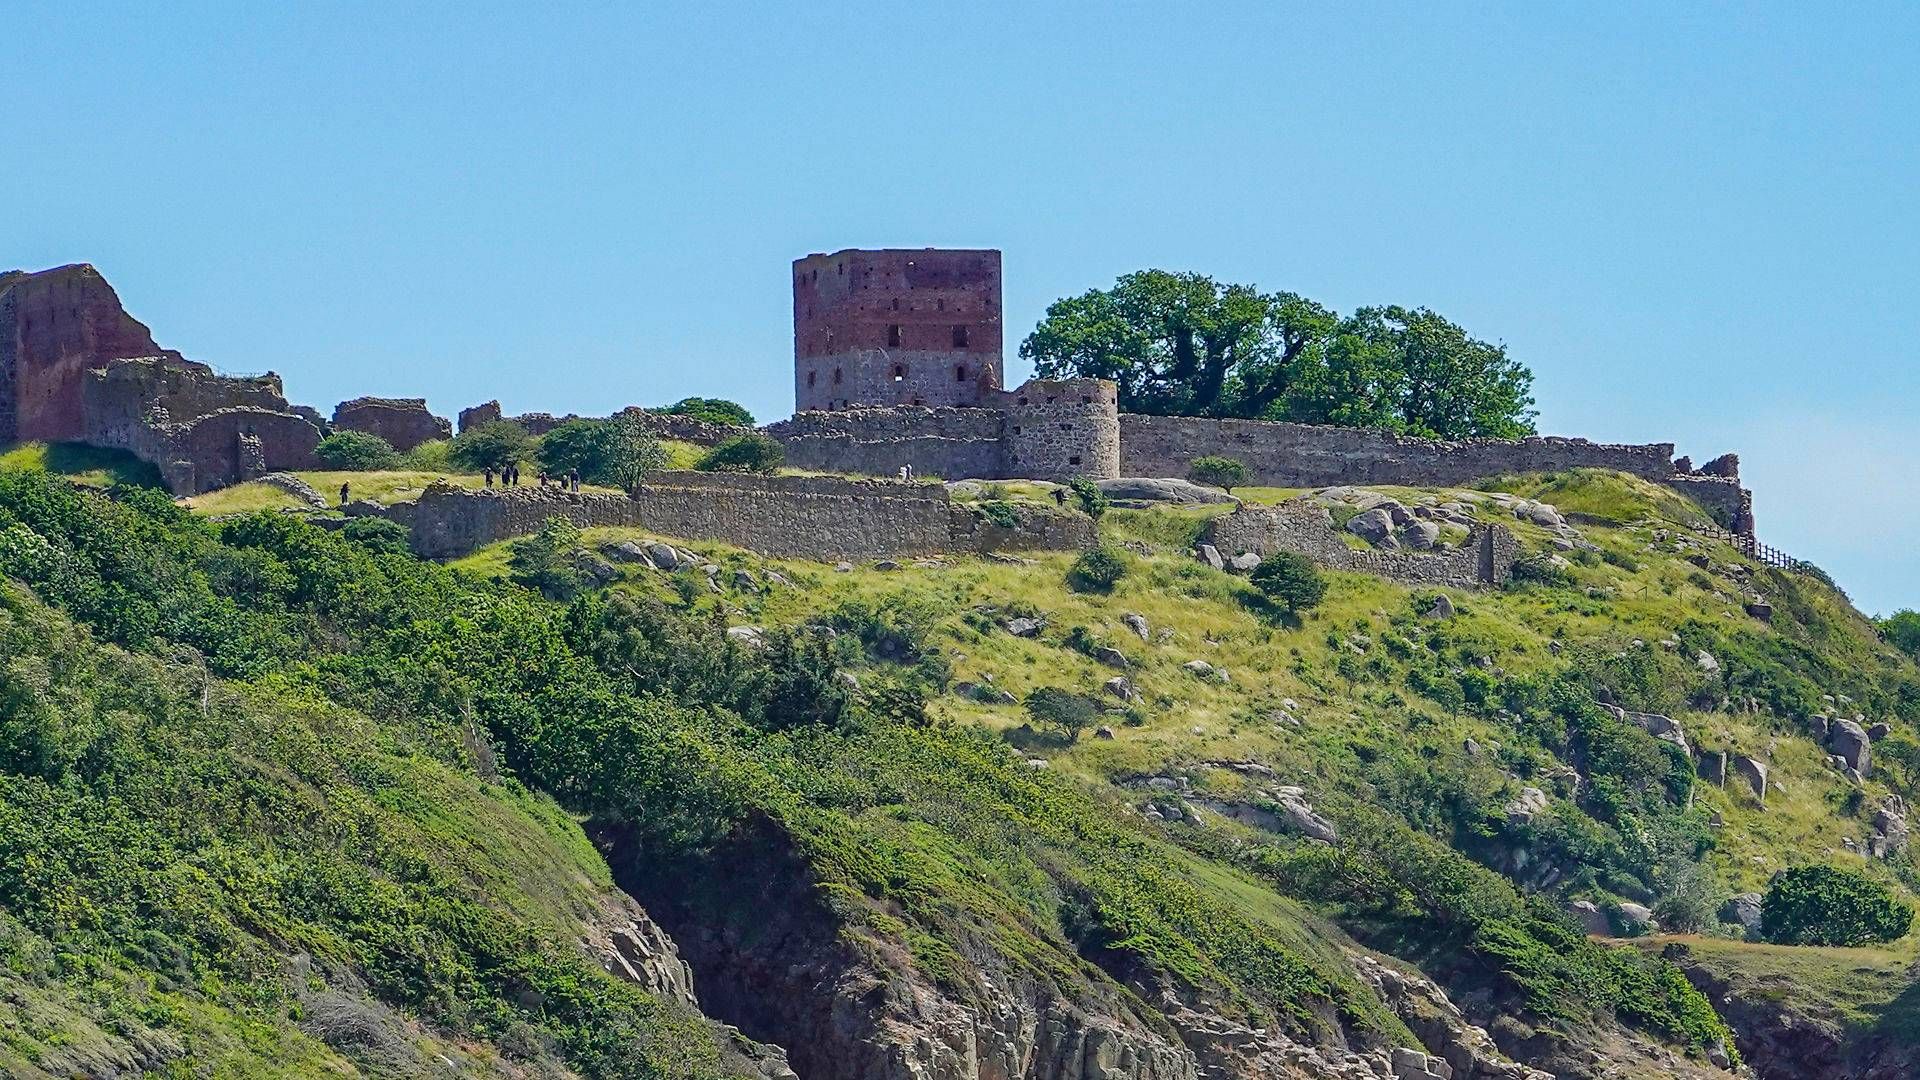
(896, 326)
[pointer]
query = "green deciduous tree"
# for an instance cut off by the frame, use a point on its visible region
(1902, 631)
(1063, 710)
(492, 445)
(1184, 344)
(1827, 905)
(712, 410)
(617, 452)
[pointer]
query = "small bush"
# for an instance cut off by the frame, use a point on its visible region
(355, 451)
(1086, 493)
(1062, 710)
(434, 455)
(1097, 570)
(544, 561)
(1902, 631)
(999, 513)
(389, 537)
(1826, 905)
(1291, 581)
(1221, 472)
(493, 445)
(755, 453)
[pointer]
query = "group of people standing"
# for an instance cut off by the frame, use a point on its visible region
(510, 477)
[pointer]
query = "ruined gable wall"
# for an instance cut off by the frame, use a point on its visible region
(55, 326)
(1305, 528)
(404, 422)
(1310, 455)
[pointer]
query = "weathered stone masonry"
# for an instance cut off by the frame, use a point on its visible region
(1304, 527)
(803, 517)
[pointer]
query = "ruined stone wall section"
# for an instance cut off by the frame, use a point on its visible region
(661, 425)
(821, 518)
(1721, 496)
(1304, 527)
(953, 444)
(404, 422)
(1310, 455)
(1057, 430)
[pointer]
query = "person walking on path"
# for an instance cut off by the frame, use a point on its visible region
(573, 478)
(488, 473)
(343, 492)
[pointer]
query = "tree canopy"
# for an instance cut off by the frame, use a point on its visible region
(616, 451)
(1185, 344)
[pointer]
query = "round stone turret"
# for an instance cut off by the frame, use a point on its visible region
(1060, 429)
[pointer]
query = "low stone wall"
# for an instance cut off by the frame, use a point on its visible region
(805, 517)
(1312, 455)
(1306, 528)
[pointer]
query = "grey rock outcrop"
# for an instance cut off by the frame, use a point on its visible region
(1374, 526)
(1167, 490)
(1742, 910)
(1754, 772)
(1849, 740)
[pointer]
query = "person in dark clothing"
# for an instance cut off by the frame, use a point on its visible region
(573, 478)
(1060, 496)
(343, 494)
(488, 473)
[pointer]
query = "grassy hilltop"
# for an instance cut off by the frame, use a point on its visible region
(280, 803)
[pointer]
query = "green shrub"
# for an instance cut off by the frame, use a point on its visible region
(434, 455)
(492, 445)
(1291, 581)
(1096, 570)
(1902, 631)
(1092, 501)
(381, 535)
(616, 452)
(713, 410)
(544, 561)
(753, 453)
(1220, 472)
(1063, 710)
(355, 451)
(1828, 905)
(999, 513)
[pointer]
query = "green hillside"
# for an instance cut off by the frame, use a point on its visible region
(255, 770)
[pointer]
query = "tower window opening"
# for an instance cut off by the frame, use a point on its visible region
(1087, 400)
(810, 378)
(960, 373)
(1074, 460)
(836, 376)
(959, 337)
(942, 305)
(893, 334)
(899, 372)
(896, 303)
(840, 268)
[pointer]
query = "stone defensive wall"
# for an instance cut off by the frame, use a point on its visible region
(1304, 527)
(953, 443)
(1311, 455)
(803, 517)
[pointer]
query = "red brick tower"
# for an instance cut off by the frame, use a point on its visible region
(896, 327)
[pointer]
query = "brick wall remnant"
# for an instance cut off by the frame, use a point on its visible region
(806, 517)
(1304, 527)
(403, 422)
(898, 326)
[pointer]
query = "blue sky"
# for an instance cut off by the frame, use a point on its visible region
(1696, 223)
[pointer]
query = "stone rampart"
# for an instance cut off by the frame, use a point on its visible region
(1304, 527)
(805, 517)
(1311, 455)
(946, 442)
(1721, 496)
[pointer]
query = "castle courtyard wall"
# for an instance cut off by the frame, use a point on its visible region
(1304, 527)
(804, 517)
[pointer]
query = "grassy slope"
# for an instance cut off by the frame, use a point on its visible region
(173, 841)
(1644, 591)
(82, 464)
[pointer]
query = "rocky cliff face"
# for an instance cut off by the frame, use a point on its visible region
(55, 326)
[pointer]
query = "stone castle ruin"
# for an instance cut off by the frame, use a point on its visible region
(878, 387)
(898, 361)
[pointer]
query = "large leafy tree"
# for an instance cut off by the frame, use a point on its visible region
(616, 451)
(1180, 343)
(1185, 344)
